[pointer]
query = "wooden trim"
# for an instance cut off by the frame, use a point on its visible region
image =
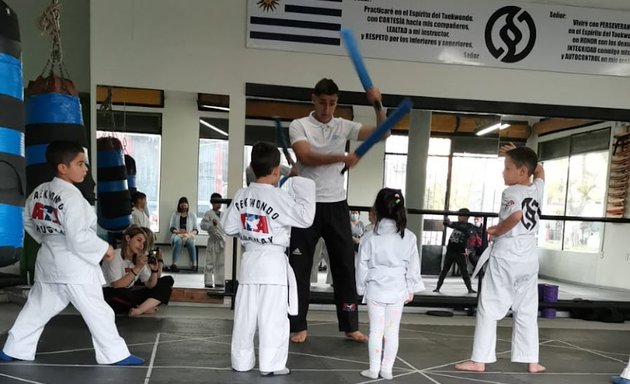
(139, 97)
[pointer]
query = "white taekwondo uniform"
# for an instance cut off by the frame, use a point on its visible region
(66, 271)
(262, 216)
(511, 279)
(214, 272)
(388, 270)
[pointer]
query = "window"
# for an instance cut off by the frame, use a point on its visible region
(145, 148)
(213, 173)
(575, 185)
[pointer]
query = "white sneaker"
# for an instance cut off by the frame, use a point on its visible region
(369, 374)
(283, 371)
(387, 375)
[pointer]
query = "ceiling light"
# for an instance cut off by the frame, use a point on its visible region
(491, 128)
(222, 132)
(226, 109)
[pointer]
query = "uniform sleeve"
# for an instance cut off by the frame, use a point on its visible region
(413, 276)
(205, 221)
(540, 190)
(113, 270)
(362, 264)
(297, 132)
(80, 238)
(231, 219)
(29, 225)
(300, 211)
(510, 202)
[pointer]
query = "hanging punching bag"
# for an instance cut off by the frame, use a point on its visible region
(53, 112)
(130, 164)
(114, 200)
(12, 161)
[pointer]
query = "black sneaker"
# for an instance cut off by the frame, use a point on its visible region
(174, 268)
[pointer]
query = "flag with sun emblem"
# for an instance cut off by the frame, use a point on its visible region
(286, 23)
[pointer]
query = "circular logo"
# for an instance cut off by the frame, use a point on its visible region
(505, 33)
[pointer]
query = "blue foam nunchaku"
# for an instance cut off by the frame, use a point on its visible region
(357, 59)
(403, 108)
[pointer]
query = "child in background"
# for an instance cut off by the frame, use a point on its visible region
(262, 216)
(388, 275)
(67, 268)
(214, 272)
(511, 276)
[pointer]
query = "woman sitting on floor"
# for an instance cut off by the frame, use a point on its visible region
(134, 281)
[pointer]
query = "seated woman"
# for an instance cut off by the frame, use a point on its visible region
(183, 228)
(133, 277)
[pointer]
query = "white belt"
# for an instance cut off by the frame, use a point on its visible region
(483, 259)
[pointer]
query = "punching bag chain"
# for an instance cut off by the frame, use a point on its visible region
(49, 24)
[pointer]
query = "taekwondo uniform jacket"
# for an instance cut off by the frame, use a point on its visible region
(262, 216)
(58, 216)
(389, 266)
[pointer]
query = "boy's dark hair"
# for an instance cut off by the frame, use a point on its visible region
(62, 152)
(524, 156)
(390, 204)
(182, 199)
(265, 157)
(325, 87)
(215, 196)
(135, 199)
(465, 211)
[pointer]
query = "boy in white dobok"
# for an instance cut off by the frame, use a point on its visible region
(262, 216)
(511, 276)
(67, 268)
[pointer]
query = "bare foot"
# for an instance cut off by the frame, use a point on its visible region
(134, 312)
(472, 366)
(356, 336)
(299, 337)
(535, 368)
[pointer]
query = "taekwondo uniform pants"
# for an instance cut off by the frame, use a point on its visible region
(263, 306)
(508, 283)
(46, 300)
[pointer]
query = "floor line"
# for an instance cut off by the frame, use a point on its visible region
(426, 375)
(20, 379)
(468, 378)
(591, 351)
(153, 353)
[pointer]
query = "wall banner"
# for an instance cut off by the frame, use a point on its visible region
(493, 34)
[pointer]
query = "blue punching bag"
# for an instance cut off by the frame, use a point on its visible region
(12, 159)
(114, 200)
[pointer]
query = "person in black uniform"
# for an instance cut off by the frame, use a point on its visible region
(456, 248)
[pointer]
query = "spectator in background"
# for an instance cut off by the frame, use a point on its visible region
(138, 212)
(358, 229)
(134, 277)
(214, 272)
(183, 227)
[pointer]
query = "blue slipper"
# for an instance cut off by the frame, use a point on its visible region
(131, 360)
(5, 357)
(619, 380)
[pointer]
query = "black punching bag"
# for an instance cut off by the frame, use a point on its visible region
(114, 200)
(12, 159)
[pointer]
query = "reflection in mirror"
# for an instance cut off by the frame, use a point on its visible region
(586, 166)
(160, 130)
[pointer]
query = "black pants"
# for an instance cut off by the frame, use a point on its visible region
(449, 259)
(123, 299)
(333, 224)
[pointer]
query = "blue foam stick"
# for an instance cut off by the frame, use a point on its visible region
(357, 59)
(403, 108)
